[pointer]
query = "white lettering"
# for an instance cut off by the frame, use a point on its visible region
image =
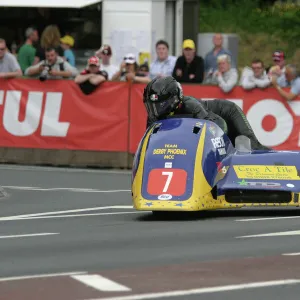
(284, 121)
(32, 113)
(218, 142)
(51, 125)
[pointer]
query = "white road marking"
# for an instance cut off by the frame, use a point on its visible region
(291, 254)
(267, 219)
(204, 290)
(284, 233)
(79, 190)
(26, 235)
(60, 212)
(101, 283)
(68, 170)
(77, 215)
(40, 276)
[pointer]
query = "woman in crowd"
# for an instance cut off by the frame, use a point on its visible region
(50, 38)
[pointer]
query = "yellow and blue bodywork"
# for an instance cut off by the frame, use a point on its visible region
(185, 164)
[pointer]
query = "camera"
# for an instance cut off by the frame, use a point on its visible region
(45, 72)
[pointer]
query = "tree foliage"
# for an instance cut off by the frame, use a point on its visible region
(260, 26)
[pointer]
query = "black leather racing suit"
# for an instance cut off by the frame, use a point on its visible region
(236, 121)
(227, 115)
(191, 106)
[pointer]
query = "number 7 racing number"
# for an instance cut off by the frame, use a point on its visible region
(171, 181)
(170, 175)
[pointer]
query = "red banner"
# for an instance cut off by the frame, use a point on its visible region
(138, 116)
(56, 115)
(275, 121)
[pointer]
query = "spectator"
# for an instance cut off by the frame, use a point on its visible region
(225, 77)
(290, 79)
(189, 67)
(27, 52)
(256, 77)
(164, 63)
(143, 70)
(278, 68)
(90, 78)
(129, 71)
(210, 62)
(67, 42)
(105, 54)
(50, 38)
(9, 66)
(53, 67)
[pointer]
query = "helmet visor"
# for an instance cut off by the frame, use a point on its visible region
(158, 109)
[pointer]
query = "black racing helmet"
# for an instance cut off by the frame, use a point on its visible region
(162, 96)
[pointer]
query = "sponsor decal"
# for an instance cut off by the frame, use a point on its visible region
(290, 185)
(164, 197)
(168, 165)
(260, 184)
(212, 130)
(222, 151)
(266, 172)
(218, 142)
(45, 121)
(154, 97)
(222, 170)
(169, 151)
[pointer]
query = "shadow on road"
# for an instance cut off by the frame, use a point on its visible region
(218, 214)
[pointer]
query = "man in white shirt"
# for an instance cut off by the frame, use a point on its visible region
(164, 63)
(255, 77)
(105, 53)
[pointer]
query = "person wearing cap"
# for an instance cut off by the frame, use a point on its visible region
(67, 42)
(278, 68)
(290, 79)
(91, 77)
(105, 54)
(27, 53)
(189, 67)
(129, 71)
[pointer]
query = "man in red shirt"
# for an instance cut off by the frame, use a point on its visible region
(91, 77)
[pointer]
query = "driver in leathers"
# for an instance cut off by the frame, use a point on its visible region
(163, 97)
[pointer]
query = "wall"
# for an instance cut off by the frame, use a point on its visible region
(126, 26)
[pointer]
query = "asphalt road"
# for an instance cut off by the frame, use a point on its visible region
(78, 227)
